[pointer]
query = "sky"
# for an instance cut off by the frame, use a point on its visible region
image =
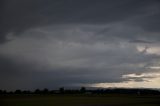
(74, 43)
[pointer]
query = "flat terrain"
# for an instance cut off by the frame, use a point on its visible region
(79, 100)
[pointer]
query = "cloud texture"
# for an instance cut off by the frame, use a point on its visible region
(54, 43)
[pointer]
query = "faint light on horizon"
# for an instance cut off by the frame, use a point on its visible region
(153, 83)
(149, 80)
(141, 75)
(154, 67)
(149, 49)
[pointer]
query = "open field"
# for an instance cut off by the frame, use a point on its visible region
(79, 100)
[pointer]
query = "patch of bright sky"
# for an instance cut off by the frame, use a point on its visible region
(149, 49)
(149, 80)
(153, 81)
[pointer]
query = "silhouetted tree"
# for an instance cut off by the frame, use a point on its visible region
(1, 91)
(4, 92)
(26, 92)
(61, 90)
(45, 91)
(10, 92)
(37, 91)
(18, 91)
(83, 90)
(52, 92)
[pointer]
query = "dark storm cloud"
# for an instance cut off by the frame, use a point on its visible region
(31, 70)
(141, 41)
(151, 21)
(26, 76)
(20, 15)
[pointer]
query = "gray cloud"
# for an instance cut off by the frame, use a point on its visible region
(54, 62)
(18, 16)
(53, 43)
(141, 41)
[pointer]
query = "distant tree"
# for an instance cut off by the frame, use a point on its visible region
(26, 92)
(45, 91)
(61, 90)
(4, 92)
(83, 90)
(1, 91)
(52, 92)
(10, 92)
(18, 91)
(37, 91)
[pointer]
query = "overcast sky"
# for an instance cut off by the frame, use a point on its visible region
(74, 43)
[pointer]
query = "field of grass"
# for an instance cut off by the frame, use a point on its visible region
(79, 100)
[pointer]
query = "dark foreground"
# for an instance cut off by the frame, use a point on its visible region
(80, 100)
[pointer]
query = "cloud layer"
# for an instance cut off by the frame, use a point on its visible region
(45, 43)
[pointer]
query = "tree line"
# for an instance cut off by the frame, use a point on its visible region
(83, 90)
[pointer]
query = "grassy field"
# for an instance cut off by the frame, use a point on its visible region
(79, 100)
